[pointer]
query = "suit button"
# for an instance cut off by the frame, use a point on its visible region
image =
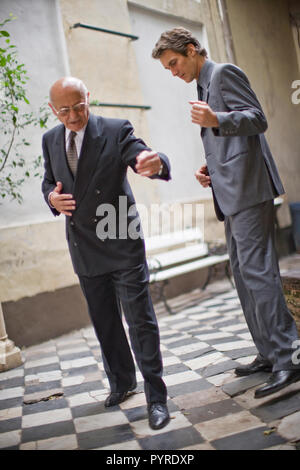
(95, 220)
(97, 191)
(72, 223)
(75, 244)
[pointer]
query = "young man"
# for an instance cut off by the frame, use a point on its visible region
(86, 161)
(244, 181)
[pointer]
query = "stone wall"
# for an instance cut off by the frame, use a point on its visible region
(291, 286)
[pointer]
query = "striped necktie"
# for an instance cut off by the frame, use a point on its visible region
(72, 156)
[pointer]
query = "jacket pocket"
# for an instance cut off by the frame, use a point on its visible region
(229, 158)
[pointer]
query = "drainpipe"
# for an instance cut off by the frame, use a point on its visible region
(230, 51)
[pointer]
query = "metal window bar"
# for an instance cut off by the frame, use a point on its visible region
(103, 30)
(119, 105)
(109, 31)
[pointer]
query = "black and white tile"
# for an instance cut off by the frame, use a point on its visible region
(55, 401)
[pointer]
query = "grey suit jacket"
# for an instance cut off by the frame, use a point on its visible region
(109, 147)
(242, 170)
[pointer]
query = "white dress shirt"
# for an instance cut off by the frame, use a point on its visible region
(78, 139)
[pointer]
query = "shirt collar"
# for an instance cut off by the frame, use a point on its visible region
(79, 133)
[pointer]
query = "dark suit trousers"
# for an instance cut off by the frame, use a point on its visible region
(254, 263)
(104, 294)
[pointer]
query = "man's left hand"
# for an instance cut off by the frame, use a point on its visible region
(148, 163)
(203, 115)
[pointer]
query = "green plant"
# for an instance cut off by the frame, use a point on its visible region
(15, 117)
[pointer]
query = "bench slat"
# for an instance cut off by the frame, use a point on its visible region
(188, 267)
(178, 256)
(174, 240)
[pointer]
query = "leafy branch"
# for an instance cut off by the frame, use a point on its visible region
(14, 120)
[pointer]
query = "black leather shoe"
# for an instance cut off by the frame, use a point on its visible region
(158, 415)
(278, 381)
(115, 398)
(258, 365)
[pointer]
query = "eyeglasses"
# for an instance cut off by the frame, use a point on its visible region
(77, 108)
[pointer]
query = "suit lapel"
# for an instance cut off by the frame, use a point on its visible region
(205, 78)
(92, 145)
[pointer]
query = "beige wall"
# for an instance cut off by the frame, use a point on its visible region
(106, 63)
(265, 49)
(199, 11)
(34, 257)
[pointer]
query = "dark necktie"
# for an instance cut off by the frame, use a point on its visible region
(72, 156)
(200, 92)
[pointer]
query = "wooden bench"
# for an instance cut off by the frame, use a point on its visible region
(175, 254)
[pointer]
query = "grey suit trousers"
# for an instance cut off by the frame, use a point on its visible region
(250, 242)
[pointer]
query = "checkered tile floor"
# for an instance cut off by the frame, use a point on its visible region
(56, 399)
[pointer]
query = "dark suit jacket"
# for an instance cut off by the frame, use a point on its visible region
(108, 148)
(242, 170)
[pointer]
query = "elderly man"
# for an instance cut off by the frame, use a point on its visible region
(244, 180)
(86, 160)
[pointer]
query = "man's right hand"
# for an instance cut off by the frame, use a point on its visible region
(63, 203)
(203, 177)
